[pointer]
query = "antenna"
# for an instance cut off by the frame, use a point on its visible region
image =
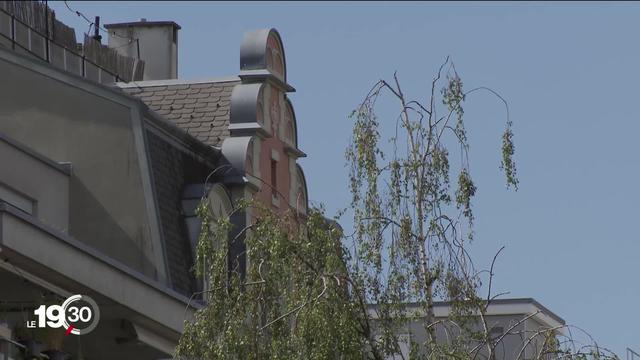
(96, 29)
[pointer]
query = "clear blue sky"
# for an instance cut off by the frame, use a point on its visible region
(570, 73)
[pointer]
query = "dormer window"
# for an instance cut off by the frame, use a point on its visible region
(220, 205)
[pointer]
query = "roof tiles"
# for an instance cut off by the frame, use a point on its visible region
(199, 108)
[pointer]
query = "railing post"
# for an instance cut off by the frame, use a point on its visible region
(13, 32)
(47, 48)
(46, 26)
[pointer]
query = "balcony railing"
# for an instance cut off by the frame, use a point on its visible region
(20, 37)
(12, 350)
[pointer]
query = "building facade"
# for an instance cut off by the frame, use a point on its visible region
(99, 184)
(520, 324)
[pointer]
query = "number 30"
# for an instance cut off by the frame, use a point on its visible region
(83, 314)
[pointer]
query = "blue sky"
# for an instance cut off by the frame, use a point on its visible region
(570, 73)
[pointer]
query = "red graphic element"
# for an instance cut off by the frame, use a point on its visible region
(69, 330)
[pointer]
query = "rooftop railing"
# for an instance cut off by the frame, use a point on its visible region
(22, 38)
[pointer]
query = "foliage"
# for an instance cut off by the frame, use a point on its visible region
(294, 289)
(305, 294)
(411, 238)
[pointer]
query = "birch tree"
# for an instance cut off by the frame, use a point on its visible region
(311, 291)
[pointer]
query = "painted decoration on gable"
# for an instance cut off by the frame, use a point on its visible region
(301, 201)
(248, 164)
(274, 111)
(263, 143)
(260, 108)
(289, 125)
(275, 56)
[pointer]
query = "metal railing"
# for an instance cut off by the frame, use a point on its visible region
(20, 37)
(12, 350)
(632, 355)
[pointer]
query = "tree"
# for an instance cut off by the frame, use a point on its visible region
(412, 227)
(292, 291)
(410, 240)
(312, 292)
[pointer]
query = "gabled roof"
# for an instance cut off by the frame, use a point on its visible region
(199, 107)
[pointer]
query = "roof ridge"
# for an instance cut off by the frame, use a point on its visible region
(169, 82)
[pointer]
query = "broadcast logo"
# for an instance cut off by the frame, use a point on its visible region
(78, 315)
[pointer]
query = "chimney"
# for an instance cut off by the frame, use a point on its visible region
(154, 42)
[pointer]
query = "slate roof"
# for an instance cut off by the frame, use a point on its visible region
(201, 108)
